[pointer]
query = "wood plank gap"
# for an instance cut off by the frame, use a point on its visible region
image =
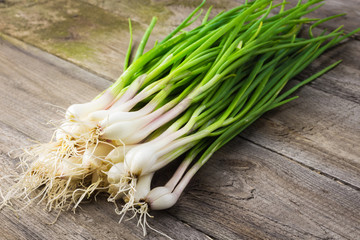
(338, 180)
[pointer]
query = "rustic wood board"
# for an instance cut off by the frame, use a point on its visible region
(94, 34)
(294, 174)
(324, 121)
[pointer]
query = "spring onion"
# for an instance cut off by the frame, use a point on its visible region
(188, 96)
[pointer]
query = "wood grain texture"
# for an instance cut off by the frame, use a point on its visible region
(32, 84)
(321, 129)
(254, 193)
(94, 34)
(294, 174)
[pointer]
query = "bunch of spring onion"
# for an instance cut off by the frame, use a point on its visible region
(188, 96)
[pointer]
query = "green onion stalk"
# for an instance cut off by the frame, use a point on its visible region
(188, 96)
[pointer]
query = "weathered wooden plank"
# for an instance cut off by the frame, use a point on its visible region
(254, 193)
(333, 7)
(37, 81)
(291, 201)
(94, 34)
(79, 32)
(30, 80)
(321, 129)
(344, 80)
(171, 12)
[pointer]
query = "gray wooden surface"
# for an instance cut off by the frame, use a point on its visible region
(294, 174)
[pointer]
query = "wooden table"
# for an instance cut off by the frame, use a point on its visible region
(294, 174)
